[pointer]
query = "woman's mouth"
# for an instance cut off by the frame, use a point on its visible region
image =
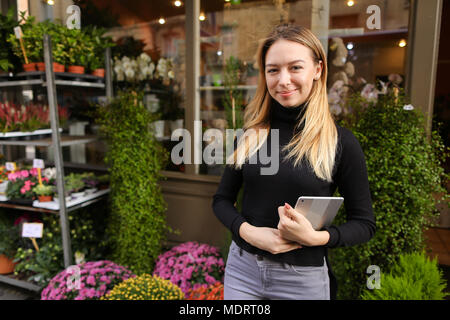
(287, 93)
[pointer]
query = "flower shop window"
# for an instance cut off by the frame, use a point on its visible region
(365, 41)
(150, 58)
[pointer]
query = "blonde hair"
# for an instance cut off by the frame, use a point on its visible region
(318, 140)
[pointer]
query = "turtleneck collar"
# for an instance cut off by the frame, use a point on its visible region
(289, 115)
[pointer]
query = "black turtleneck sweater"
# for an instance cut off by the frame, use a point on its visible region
(263, 194)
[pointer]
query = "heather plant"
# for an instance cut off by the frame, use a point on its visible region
(145, 287)
(191, 265)
(95, 280)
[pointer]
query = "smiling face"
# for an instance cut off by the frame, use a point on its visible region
(290, 71)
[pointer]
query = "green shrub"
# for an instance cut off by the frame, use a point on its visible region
(404, 171)
(145, 287)
(137, 226)
(414, 277)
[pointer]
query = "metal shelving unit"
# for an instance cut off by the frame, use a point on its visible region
(56, 141)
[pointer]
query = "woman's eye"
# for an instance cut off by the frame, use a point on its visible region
(271, 70)
(297, 67)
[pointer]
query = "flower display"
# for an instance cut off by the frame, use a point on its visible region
(212, 292)
(28, 117)
(86, 281)
(145, 287)
(142, 68)
(191, 265)
(22, 182)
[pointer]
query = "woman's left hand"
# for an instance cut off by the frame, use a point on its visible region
(294, 226)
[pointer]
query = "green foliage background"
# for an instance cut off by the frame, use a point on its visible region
(137, 226)
(415, 277)
(405, 176)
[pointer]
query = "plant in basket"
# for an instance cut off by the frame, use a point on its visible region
(191, 265)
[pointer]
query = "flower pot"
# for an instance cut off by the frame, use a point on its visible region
(57, 67)
(45, 198)
(6, 264)
(158, 128)
(27, 67)
(99, 72)
(75, 69)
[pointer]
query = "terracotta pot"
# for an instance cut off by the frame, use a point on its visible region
(99, 72)
(27, 67)
(6, 264)
(57, 67)
(45, 198)
(75, 69)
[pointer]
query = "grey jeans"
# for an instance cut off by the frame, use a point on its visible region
(253, 277)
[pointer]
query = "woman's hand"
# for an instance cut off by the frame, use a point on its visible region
(295, 227)
(267, 239)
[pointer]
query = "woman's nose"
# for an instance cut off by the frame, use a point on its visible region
(285, 77)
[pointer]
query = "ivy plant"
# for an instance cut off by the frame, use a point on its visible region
(137, 227)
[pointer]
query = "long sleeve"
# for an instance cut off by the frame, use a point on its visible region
(352, 182)
(225, 197)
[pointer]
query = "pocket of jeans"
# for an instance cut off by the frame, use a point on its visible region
(305, 269)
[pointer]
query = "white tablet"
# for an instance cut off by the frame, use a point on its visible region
(320, 211)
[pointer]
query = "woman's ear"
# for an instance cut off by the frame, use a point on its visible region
(319, 67)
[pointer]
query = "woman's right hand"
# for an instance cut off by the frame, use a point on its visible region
(267, 239)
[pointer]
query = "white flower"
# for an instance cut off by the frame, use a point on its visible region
(369, 92)
(79, 257)
(125, 59)
(333, 97)
(171, 74)
(408, 107)
(335, 109)
(129, 73)
(49, 173)
(145, 57)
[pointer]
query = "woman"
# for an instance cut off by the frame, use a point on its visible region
(275, 252)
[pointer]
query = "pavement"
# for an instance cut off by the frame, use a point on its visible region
(8, 292)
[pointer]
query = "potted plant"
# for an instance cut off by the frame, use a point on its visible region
(96, 58)
(90, 181)
(20, 186)
(7, 58)
(78, 45)
(44, 192)
(8, 244)
(74, 184)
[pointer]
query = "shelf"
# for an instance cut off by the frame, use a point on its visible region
(9, 279)
(61, 79)
(47, 142)
(15, 134)
(72, 204)
(53, 206)
(239, 87)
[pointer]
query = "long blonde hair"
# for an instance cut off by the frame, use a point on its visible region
(318, 140)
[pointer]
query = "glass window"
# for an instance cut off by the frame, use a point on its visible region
(365, 41)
